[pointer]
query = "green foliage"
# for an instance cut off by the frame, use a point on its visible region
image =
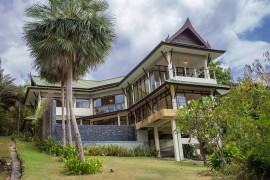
(231, 152)
(68, 152)
(57, 31)
(223, 75)
(115, 150)
(76, 166)
(196, 118)
(188, 150)
(71, 161)
(51, 147)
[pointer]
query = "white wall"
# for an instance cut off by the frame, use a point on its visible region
(77, 111)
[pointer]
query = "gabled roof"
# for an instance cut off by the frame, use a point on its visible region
(188, 35)
(38, 81)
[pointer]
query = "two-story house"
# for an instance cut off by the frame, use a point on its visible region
(140, 108)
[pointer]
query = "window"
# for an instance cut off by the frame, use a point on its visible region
(181, 100)
(97, 102)
(119, 98)
(109, 104)
(82, 103)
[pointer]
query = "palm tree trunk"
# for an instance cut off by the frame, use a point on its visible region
(69, 136)
(63, 115)
(77, 136)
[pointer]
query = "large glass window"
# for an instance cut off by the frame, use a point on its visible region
(109, 104)
(82, 103)
(97, 102)
(119, 98)
(181, 100)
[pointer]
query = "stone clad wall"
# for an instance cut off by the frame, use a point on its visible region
(100, 133)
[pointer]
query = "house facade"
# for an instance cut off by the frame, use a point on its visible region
(140, 107)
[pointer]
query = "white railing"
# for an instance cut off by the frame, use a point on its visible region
(193, 72)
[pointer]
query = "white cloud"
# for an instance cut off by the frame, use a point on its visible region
(242, 52)
(141, 25)
(250, 14)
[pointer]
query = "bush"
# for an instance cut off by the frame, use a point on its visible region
(68, 152)
(75, 166)
(115, 150)
(230, 152)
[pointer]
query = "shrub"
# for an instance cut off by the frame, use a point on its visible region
(68, 152)
(75, 166)
(115, 150)
(230, 152)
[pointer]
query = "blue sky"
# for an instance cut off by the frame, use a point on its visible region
(240, 27)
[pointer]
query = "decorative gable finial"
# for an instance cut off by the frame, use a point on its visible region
(188, 35)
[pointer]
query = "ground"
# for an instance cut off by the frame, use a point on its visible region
(42, 166)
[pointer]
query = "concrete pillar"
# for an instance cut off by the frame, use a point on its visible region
(181, 151)
(125, 97)
(91, 106)
(177, 144)
(127, 123)
(173, 95)
(133, 96)
(119, 122)
(81, 122)
(157, 140)
(170, 68)
(206, 69)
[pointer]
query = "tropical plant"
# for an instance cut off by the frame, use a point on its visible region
(222, 74)
(197, 119)
(75, 166)
(70, 37)
(9, 96)
(8, 91)
(115, 150)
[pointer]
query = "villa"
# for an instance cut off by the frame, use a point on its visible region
(140, 108)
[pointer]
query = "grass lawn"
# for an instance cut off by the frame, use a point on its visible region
(4, 146)
(42, 166)
(4, 151)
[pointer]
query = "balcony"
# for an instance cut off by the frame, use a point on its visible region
(109, 108)
(192, 74)
(187, 74)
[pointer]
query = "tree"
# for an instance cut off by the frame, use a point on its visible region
(223, 75)
(196, 118)
(246, 113)
(79, 32)
(54, 77)
(8, 98)
(259, 70)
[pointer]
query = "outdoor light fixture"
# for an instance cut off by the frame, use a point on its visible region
(185, 62)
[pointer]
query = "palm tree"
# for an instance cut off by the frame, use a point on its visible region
(55, 75)
(79, 32)
(8, 92)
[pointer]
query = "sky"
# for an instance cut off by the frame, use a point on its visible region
(241, 27)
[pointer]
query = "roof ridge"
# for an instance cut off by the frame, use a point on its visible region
(110, 78)
(188, 25)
